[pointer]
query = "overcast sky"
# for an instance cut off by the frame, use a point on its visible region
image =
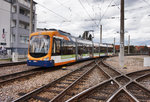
(77, 16)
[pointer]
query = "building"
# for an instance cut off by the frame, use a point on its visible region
(17, 19)
(5, 19)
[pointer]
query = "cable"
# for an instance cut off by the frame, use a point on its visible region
(88, 13)
(116, 5)
(146, 2)
(53, 12)
(91, 7)
(65, 7)
(106, 10)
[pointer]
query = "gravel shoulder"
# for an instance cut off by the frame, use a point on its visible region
(10, 92)
(132, 63)
(14, 69)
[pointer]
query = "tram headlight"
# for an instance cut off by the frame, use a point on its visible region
(46, 59)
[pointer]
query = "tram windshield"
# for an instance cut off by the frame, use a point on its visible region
(39, 45)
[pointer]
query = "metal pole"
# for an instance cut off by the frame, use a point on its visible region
(31, 16)
(129, 44)
(101, 34)
(121, 55)
(114, 46)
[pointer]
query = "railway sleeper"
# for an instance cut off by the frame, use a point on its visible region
(59, 86)
(53, 91)
(67, 83)
(43, 99)
(98, 97)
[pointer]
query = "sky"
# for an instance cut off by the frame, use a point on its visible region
(77, 16)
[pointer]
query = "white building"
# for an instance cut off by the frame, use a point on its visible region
(14, 24)
(5, 16)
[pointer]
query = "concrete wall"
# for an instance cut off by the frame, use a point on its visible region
(5, 8)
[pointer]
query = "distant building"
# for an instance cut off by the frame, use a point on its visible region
(14, 26)
(138, 48)
(117, 48)
(40, 29)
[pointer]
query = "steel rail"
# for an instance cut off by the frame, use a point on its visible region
(113, 78)
(55, 99)
(123, 88)
(98, 85)
(38, 90)
(88, 90)
(12, 64)
(117, 92)
(17, 75)
(131, 80)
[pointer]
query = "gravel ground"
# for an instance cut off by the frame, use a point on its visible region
(14, 69)
(9, 61)
(146, 83)
(132, 63)
(4, 61)
(10, 92)
(89, 80)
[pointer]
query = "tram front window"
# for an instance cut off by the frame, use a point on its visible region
(39, 45)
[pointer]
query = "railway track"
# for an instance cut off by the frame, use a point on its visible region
(23, 74)
(119, 88)
(12, 64)
(112, 87)
(7, 78)
(58, 86)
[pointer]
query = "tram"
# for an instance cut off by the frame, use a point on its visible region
(55, 47)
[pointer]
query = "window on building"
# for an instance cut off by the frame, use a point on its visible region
(13, 38)
(23, 25)
(13, 23)
(24, 39)
(14, 9)
(24, 12)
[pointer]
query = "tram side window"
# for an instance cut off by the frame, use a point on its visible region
(56, 50)
(103, 49)
(110, 49)
(90, 49)
(68, 48)
(85, 49)
(96, 49)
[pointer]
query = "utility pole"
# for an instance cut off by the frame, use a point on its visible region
(114, 46)
(31, 16)
(129, 44)
(101, 34)
(121, 54)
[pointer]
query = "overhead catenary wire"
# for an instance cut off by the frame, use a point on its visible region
(53, 12)
(146, 2)
(106, 10)
(91, 7)
(116, 5)
(65, 7)
(88, 13)
(100, 11)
